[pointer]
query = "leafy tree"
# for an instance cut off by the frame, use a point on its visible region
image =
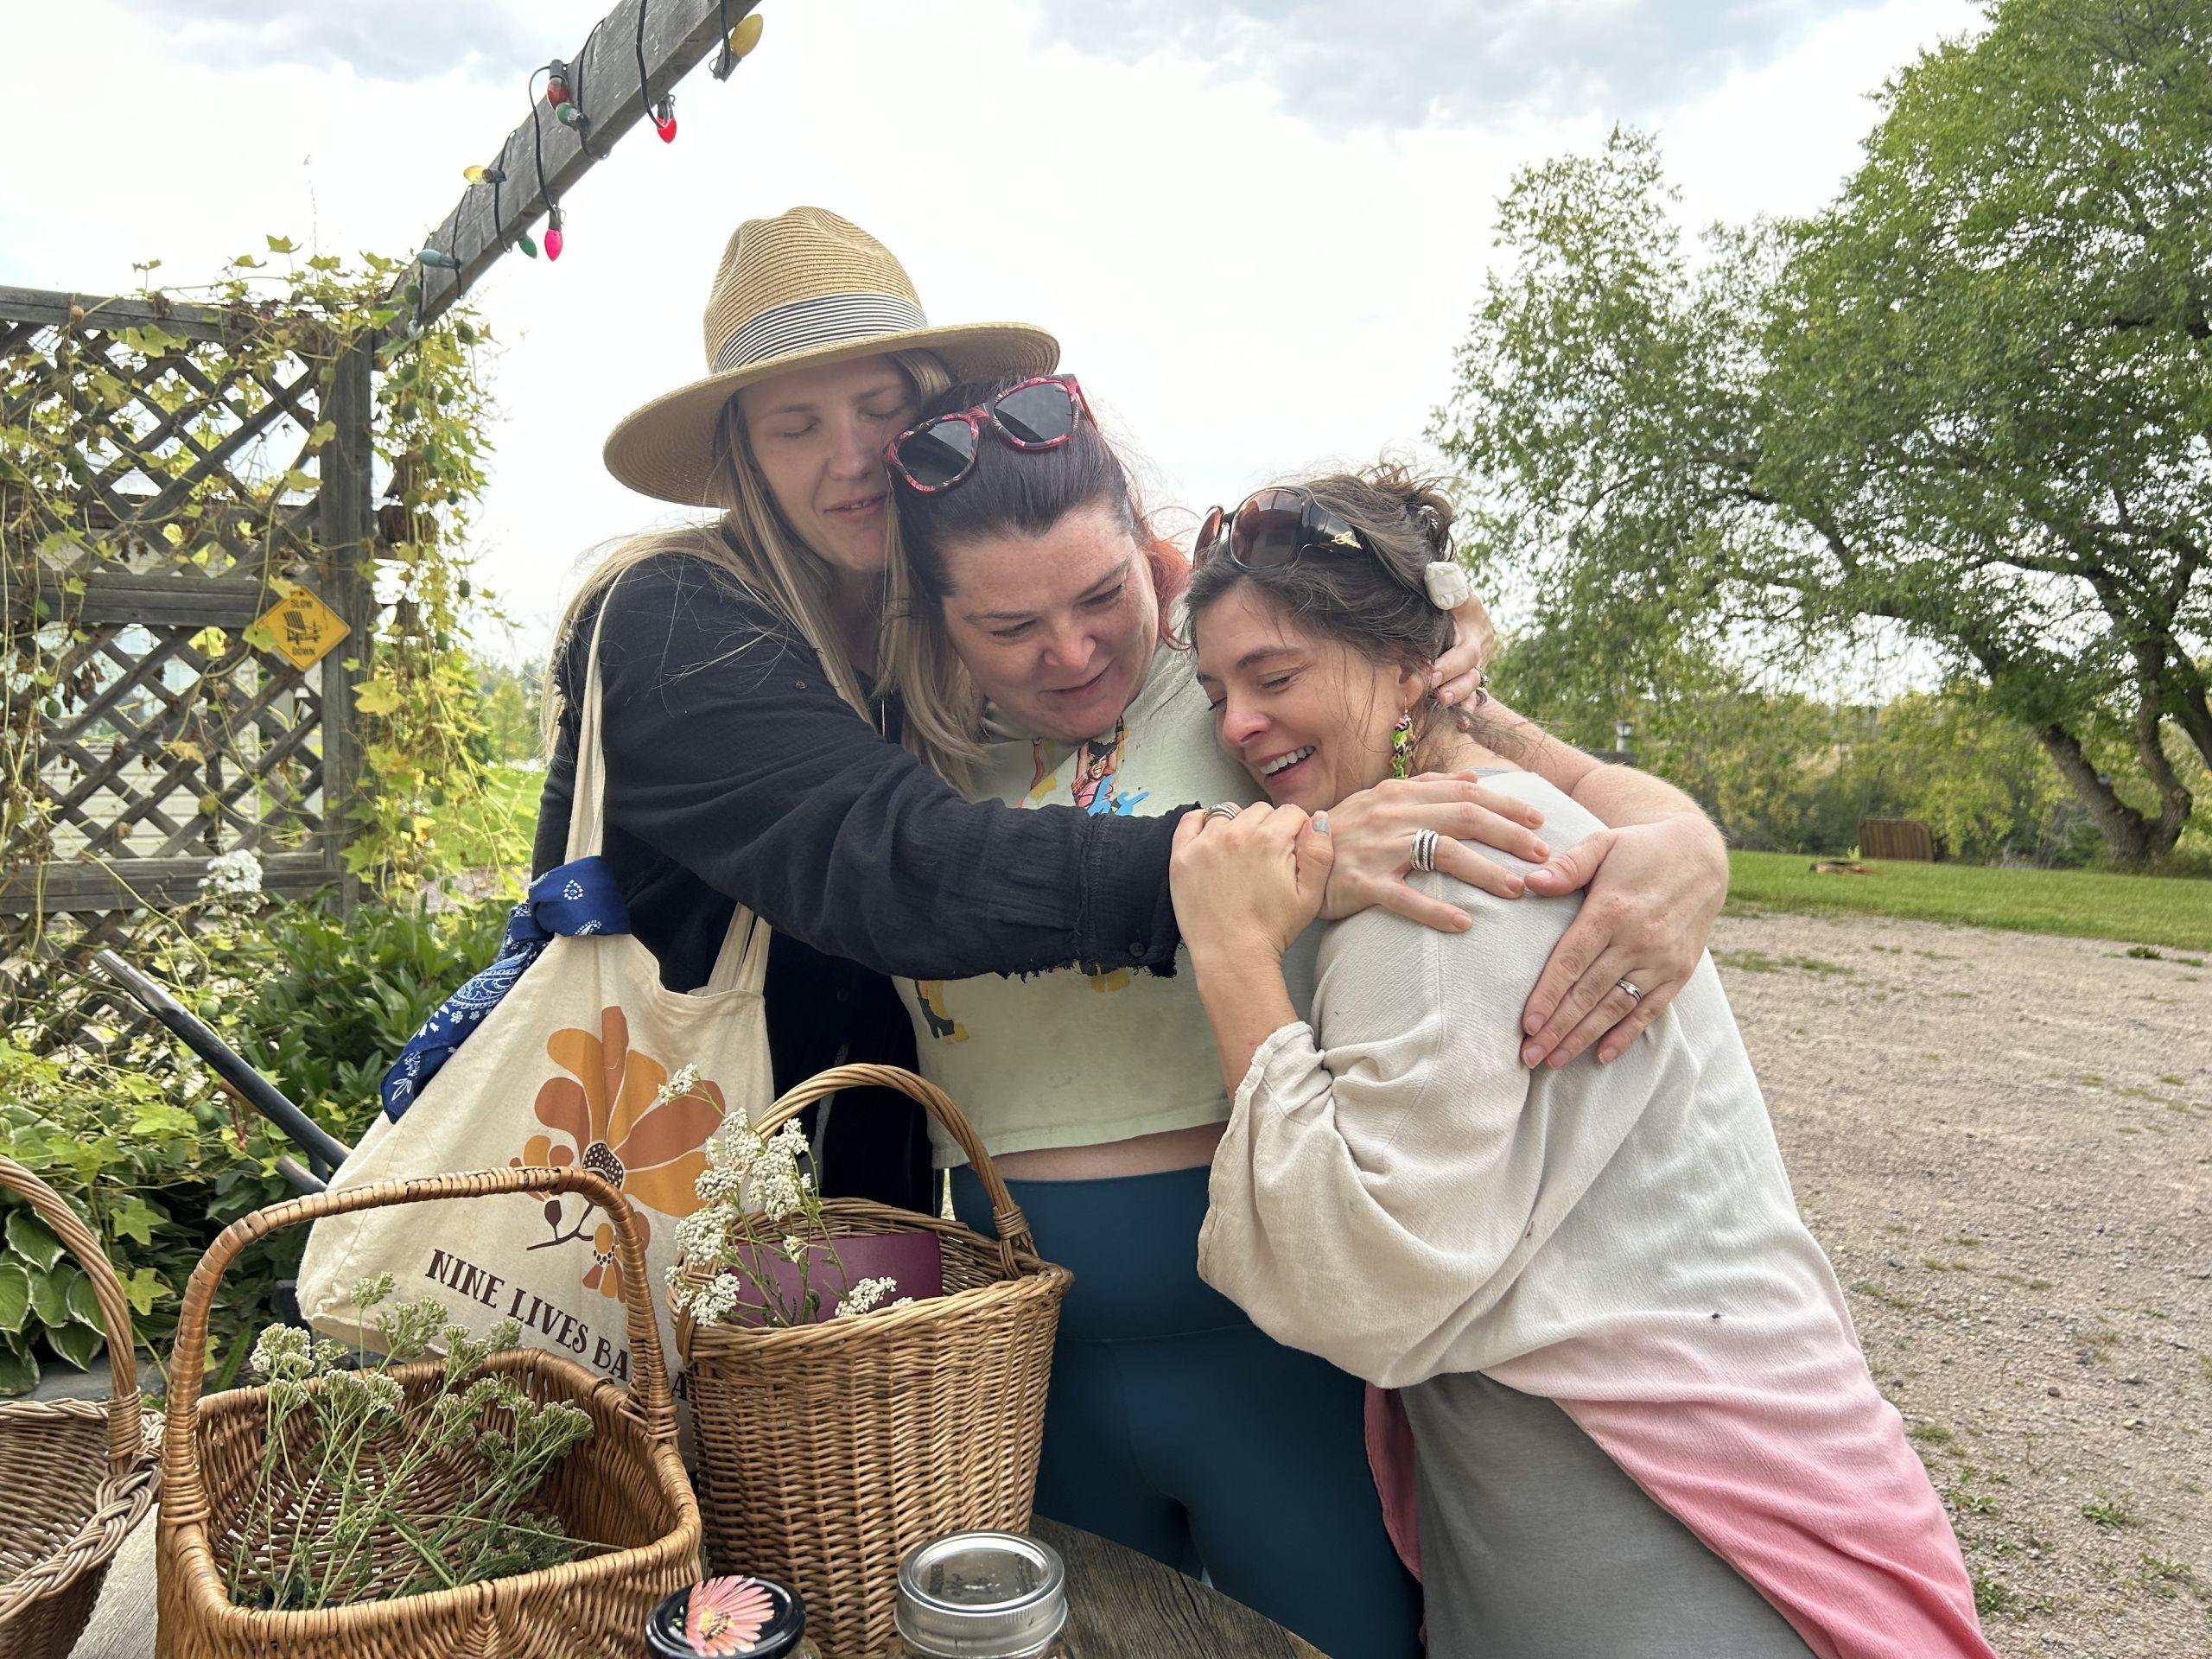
(1971, 400)
(510, 710)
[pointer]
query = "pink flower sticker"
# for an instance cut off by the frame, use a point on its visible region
(726, 1615)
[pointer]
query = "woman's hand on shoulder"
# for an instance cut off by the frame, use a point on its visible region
(1245, 886)
(1458, 677)
(1653, 891)
(1374, 835)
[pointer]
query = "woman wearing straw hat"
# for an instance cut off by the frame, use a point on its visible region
(746, 746)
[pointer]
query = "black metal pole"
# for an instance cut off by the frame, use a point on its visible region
(325, 1151)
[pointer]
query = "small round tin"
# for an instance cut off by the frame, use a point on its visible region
(730, 1619)
(982, 1595)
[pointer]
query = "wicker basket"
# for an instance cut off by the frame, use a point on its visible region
(826, 1451)
(75, 1476)
(624, 1485)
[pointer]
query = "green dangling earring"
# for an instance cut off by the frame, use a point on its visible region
(1401, 747)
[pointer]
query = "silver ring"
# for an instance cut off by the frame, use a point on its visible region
(1224, 810)
(1424, 850)
(1634, 996)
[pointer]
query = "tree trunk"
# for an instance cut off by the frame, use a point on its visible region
(2133, 837)
(2175, 801)
(2194, 713)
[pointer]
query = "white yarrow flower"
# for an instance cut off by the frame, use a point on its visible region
(717, 1300)
(704, 1234)
(863, 1297)
(231, 875)
(682, 1081)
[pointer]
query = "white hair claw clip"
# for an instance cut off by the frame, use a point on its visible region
(1447, 584)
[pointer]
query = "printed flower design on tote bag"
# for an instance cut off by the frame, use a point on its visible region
(613, 1115)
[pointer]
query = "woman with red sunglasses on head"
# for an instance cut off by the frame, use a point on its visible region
(1041, 607)
(1641, 1420)
(750, 755)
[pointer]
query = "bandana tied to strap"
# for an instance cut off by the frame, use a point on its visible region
(577, 899)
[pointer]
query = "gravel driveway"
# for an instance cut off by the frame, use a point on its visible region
(2004, 1143)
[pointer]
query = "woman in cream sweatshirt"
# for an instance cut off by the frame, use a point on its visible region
(1641, 1421)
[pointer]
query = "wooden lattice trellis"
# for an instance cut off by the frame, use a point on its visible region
(161, 742)
(179, 497)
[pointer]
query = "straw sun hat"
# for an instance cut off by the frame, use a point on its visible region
(799, 291)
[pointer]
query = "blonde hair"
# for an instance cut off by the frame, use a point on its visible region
(755, 544)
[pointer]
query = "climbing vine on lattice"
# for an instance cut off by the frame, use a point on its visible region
(191, 438)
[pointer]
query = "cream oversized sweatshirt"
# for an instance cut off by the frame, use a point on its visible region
(1397, 1193)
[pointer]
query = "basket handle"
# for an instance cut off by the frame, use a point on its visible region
(184, 1499)
(123, 1425)
(1012, 1227)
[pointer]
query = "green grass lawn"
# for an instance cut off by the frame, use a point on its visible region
(2169, 912)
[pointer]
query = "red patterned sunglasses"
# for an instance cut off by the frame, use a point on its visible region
(1274, 527)
(1038, 414)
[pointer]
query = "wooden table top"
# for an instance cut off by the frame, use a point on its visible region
(1122, 1605)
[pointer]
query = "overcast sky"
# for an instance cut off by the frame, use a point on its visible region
(1258, 228)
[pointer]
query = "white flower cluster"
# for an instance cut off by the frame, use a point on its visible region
(714, 1301)
(683, 1081)
(231, 875)
(283, 1351)
(371, 1394)
(703, 1236)
(863, 1297)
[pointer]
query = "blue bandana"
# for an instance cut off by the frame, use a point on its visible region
(577, 899)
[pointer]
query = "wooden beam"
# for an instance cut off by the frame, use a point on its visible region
(345, 513)
(603, 82)
(131, 883)
(158, 599)
(50, 307)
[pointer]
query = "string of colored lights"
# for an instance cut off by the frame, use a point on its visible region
(563, 95)
(663, 113)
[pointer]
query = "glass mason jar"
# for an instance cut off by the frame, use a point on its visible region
(983, 1595)
(731, 1618)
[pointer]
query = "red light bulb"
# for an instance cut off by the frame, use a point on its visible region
(665, 120)
(556, 88)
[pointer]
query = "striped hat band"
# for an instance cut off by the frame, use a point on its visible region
(826, 320)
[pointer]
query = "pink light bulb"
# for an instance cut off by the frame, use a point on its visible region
(553, 241)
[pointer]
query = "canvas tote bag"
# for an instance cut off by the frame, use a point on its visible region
(570, 1064)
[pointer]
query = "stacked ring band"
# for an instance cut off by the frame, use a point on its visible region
(1223, 810)
(1424, 850)
(1634, 995)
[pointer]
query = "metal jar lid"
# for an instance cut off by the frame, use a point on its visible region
(982, 1595)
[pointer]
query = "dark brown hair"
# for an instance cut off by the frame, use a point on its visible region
(1023, 491)
(1378, 608)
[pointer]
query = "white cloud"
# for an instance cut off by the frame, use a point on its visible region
(1246, 290)
(1414, 63)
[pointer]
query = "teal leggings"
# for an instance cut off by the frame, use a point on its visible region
(1176, 1427)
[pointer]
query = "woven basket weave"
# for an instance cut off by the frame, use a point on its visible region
(75, 1476)
(624, 1486)
(828, 1450)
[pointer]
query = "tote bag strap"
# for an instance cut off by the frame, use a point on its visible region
(742, 961)
(587, 799)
